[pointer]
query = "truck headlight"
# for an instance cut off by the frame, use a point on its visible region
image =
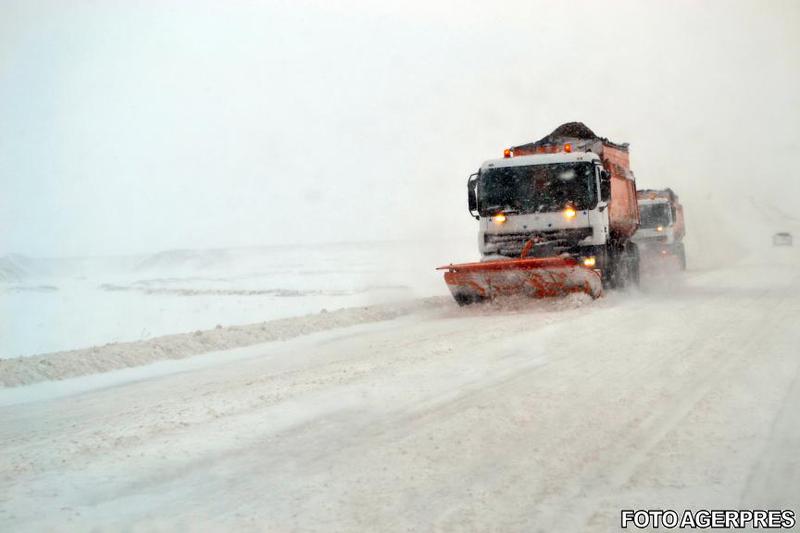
(660, 228)
(499, 218)
(569, 213)
(589, 262)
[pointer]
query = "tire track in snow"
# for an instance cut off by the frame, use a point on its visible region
(644, 437)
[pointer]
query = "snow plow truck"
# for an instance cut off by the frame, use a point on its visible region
(662, 227)
(555, 216)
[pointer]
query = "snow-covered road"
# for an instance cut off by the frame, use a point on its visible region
(548, 416)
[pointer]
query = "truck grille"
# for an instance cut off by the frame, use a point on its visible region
(545, 243)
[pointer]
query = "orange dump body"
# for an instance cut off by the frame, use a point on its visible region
(680, 224)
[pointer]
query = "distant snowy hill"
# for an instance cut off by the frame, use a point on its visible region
(12, 269)
(63, 304)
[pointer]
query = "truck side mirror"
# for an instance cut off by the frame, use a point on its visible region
(472, 195)
(605, 186)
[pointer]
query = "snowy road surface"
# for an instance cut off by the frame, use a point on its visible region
(544, 417)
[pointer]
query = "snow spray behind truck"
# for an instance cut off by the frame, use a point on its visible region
(662, 226)
(554, 216)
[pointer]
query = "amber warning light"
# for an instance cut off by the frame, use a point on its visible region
(507, 153)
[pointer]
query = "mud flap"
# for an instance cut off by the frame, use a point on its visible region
(533, 277)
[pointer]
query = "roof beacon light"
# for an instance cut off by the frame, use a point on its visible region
(507, 153)
(568, 148)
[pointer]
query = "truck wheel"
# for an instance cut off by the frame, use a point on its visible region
(608, 267)
(624, 266)
(680, 251)
(467, 299)
(634, 264)
(617, 266)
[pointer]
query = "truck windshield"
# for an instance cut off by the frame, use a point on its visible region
(654, 215)
(536, 188)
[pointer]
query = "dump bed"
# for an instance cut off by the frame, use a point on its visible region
(623, 212)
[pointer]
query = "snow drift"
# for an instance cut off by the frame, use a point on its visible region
(73, 363)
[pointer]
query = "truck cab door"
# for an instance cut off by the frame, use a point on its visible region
(598, 217)
(604, 184)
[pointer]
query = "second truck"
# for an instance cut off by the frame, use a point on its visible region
(662, 225)
(554, 216)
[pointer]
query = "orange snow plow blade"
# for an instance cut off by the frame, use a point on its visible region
(538, 277)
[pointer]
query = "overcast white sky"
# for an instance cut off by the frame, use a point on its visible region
(142, 126)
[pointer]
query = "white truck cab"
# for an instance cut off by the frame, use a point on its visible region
(657, 223)
(661, 225)
(553, 200)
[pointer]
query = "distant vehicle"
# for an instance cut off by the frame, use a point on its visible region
(783, 238)
(661, 228)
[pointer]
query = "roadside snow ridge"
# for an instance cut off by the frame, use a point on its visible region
(60, 365)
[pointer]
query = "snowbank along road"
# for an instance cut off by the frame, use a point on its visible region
(542, 416)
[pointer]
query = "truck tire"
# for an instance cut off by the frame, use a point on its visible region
(467, 299)
(634, 264)
(680, 251)
(607, 258)
(616, 267)
(623, 266)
